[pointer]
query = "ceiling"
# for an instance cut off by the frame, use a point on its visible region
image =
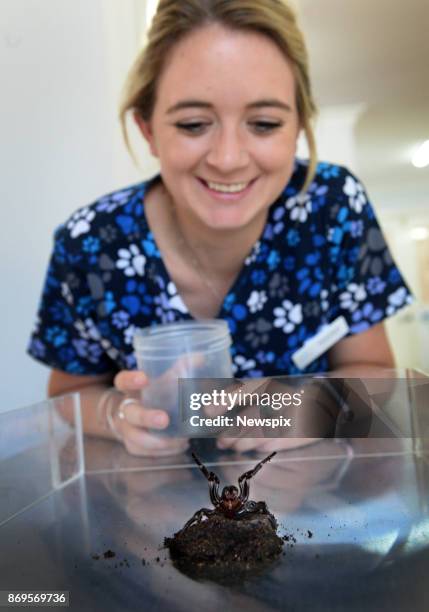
(376, 52)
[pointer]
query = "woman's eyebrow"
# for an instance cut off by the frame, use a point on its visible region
(264, 103)
(270, 102)
(188, 104)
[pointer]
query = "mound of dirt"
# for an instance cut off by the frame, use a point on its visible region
(224, 549)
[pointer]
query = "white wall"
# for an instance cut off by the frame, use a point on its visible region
(62, 63)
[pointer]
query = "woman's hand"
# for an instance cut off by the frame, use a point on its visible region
(310, 421)
(133, 420)
(262, 445)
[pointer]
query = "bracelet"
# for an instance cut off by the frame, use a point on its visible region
(120, 413)
(100, 410)
(110, 416)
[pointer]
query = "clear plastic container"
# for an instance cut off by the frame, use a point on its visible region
(40, 453)
(187, 349)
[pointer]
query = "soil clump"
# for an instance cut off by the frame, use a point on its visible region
(224, 549)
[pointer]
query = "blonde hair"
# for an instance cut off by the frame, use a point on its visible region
(175, 19)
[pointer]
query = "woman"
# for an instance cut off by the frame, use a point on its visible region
(234, 227)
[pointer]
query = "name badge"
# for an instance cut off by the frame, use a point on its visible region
(320, 343)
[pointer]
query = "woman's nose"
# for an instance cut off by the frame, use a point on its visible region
(228, 151)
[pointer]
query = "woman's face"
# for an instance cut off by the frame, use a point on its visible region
(224, 126)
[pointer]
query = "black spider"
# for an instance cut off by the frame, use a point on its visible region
(233, 502)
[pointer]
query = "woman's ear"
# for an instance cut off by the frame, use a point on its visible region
(146, 131)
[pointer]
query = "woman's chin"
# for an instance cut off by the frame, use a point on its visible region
(231, 220)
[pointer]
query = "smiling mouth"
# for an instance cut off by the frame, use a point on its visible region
(227, 188)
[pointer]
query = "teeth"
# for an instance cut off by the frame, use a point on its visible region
(235, 188)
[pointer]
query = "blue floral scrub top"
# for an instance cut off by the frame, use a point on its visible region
(320, 255)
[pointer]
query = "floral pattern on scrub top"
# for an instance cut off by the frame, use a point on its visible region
(320, 255)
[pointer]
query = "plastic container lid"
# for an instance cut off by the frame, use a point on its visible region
(163, 341)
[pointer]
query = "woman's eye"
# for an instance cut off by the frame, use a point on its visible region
(263, 127)
(199, 127)
(196, 127)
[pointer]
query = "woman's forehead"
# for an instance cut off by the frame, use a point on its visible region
(215, 62)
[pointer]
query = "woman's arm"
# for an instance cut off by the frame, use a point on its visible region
(367, 354)
(101, 409)
(91, 389)
(362, 354)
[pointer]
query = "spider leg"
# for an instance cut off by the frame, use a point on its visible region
(244, 478)
(251, 473)
(213, 479)
(198, 516)
(252, 508)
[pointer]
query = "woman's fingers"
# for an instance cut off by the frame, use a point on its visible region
(134, 420)
(237, 392)
(265, 444)
(140, 442)
(182, 367)
(130, 380)
(139, 416)
(143, 451)
(241, 444)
